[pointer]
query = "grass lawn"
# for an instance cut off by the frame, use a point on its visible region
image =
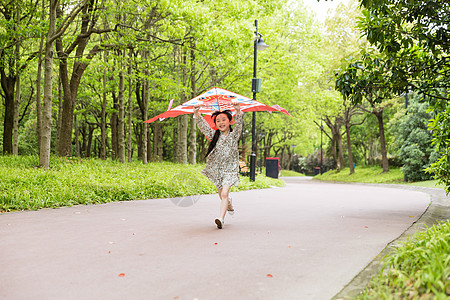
(373, 174)
(68, 182)
(428, 183)
(290, 173)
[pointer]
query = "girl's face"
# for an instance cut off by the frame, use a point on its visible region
(222, 123)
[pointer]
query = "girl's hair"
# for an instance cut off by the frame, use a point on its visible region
(217, 133)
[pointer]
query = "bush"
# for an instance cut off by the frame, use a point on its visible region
(414, 141)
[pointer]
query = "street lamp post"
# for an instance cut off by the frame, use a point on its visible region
(256, 88)
(261, 137)
(321, 151)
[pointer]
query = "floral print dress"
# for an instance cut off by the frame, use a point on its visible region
(222, 163)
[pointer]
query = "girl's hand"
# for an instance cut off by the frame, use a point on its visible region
(196, 108)
(236, 105)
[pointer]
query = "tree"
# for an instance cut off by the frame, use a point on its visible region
(413, 139)
(16, 29)
(369, 79)
(70, 82)
(414, 35)
(350, 110)
(53, 33)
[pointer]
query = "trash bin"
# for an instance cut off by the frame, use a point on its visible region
(272, 167)
(316, 170)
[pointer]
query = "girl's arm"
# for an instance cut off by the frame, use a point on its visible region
(202, 124)
(238, 119)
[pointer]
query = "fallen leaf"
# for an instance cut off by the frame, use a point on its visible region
(289, 246)
(215, 243)
(411, 216)
(109, 251)
(366, 227)
(122, 275)
(269, 275)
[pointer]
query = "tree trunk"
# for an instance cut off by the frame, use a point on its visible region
(8, 83)
(130, 109)
(59, 120)
(17, 94)
(70, 88)
(103, 115)
(38, 84)
(44, 153)
(192, 154)
(182, 137)
(149, 146)
(145, 125)
(384, 159)
(349, 149)
(336, 141)
(77, 136)
(89, 141)
(121, 119)
(114, 126)
(340, 148)
(138, 134)
(157, 141)
(16, 117)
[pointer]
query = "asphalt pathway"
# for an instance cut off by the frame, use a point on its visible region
(306, 240)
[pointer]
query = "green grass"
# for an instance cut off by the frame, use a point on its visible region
(289, 173)
(68, 182)
(373, 174)
(418, 269)
(428, 183)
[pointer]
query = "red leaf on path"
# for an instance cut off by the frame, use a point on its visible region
(366, 227)
(269, 275)
(289, 246)
(215, 243)
(122, 275)
(109, 251)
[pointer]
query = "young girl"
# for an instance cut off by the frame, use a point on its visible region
(222, 158)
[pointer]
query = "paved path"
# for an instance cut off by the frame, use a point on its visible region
(303, 241)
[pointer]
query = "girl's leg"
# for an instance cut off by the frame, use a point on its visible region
(224, 202)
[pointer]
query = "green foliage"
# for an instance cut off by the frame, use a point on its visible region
(413, 35)
(73, 181)
(413, 140)
(372, 174)
(417, 269)
(440, 126)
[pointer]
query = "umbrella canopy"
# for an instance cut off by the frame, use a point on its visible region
(215, 99)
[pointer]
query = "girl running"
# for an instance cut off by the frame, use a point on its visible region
(222, 158)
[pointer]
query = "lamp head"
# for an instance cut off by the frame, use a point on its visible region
(260, 45)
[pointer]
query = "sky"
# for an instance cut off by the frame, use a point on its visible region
(323, 8)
